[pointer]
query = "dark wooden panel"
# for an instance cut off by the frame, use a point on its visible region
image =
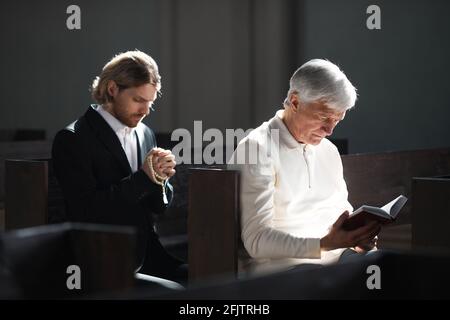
(33, 196)
(107, 254)
(213, 225)
(22, 134)
(38, 258)
(26, 199)
(21, 150)
(403, 276)
(431, 212)
(375, 179)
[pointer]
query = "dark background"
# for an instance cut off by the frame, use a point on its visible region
(228, 62)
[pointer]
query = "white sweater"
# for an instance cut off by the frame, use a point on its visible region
(290, 196)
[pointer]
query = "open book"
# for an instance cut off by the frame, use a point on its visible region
(366, 214)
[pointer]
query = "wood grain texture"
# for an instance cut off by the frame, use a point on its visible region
(213, 225)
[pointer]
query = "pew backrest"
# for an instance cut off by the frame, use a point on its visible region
(33, 196)
(52, 261)
(213, 217)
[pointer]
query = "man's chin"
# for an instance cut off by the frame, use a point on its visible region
(315, 140)
(133, 123)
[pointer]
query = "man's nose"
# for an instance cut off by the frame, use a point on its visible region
(328, 128)
(146, 108)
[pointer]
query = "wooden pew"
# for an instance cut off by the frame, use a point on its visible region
(38, 259)
(213, 217)
(404, 275)
(377, 178)
(33, 196)
(22, 134)
(19, 150)
(431, 213)
(213, 222)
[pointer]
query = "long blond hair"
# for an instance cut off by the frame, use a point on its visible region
(128, 69)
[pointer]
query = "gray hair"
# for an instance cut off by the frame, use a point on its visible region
(322, 80)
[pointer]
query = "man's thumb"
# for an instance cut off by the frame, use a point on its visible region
(341, 219)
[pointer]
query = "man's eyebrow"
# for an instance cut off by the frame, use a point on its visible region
(332, 115)
(142, 98)
(329, 114)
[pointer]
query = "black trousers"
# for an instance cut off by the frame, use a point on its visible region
(350, 255)
(160, 263)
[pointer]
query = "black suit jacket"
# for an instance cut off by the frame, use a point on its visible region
(98, 185)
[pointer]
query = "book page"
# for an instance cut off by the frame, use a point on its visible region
(393, 207)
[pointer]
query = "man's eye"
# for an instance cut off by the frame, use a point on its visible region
(328, 119)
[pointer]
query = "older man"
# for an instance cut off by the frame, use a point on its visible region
(293, 196)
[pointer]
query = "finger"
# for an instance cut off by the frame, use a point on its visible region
(166, 158)
(164, 152)
(368, 237)
(158, 168)
(341, 219)
(169, 157)
(162, 174)
(367, 242)
(170, 172)
(364, 243)
(361, 249)
(162, 161)
(164, 168)
(170, 163)
(156, 152)
(364, 230)
(155, 162)
(152, 152)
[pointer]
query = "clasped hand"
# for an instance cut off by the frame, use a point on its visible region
(163, 163)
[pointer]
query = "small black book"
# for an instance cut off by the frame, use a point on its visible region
(365, 214)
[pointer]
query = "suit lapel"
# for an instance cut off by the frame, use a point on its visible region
(138, 148)
(107, 136)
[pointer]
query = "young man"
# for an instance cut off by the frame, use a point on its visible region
(108, 165)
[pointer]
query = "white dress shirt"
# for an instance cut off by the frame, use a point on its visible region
(290, 197)
(126, 135)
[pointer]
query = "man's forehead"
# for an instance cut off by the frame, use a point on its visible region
(323, 108)
(147, 92)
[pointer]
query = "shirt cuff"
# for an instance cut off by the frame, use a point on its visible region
(312, 249)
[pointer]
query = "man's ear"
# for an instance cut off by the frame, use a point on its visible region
(294, 102)
(112, 88)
